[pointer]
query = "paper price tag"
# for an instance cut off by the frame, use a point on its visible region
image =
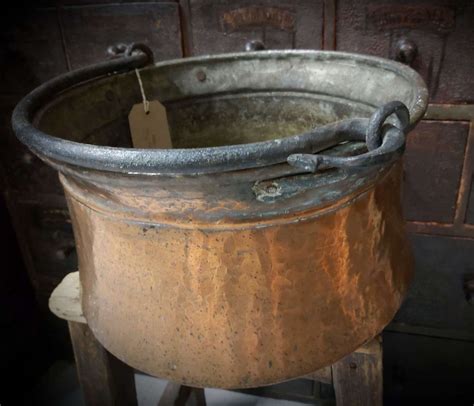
(149, 130)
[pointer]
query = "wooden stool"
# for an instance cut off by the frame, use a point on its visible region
(107, 381)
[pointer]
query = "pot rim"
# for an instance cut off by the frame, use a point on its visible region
(189, 160)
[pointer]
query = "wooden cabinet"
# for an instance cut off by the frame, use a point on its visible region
(89, 30)
(435, 38)
(225, 26)
(440, 33)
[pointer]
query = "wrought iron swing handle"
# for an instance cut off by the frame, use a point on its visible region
(131, 56)
(385, 142)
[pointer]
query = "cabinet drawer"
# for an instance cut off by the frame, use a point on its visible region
(433, 164)
(437, 296)
(225, 26)
(90, 30)
(438, 34)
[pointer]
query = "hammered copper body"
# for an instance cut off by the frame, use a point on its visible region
(243, 277)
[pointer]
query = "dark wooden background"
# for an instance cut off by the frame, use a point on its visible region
(429, 348)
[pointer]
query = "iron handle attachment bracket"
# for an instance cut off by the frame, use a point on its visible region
(385, 142)
(128, 50)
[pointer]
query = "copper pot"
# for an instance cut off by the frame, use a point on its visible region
(262, 247)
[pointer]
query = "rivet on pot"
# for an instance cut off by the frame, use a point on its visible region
(267, 191)
(201, 76)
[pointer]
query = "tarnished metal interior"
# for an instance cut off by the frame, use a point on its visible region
(236, 278)
(240, 100)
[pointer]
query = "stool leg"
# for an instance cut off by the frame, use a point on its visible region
(176, 394)
(358, 379)
(104, 379)
(198, 397)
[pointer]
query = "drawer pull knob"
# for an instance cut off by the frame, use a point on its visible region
(254, 45)
(406, 51)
